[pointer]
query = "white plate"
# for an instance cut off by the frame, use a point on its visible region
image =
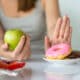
(62, 62)
(7, 72)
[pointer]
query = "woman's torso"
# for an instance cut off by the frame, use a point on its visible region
(33, 24)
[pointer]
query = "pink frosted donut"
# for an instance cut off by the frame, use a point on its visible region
(59, 51)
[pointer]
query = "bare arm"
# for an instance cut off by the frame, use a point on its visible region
(1, 33)
(52, 13)
(1, 30)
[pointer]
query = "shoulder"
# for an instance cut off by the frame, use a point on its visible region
(49, 2)
(0, 3)
(43, 3)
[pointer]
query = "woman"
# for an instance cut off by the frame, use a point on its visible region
(30, 16)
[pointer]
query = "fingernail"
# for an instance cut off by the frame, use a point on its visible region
(23, 37)
(64, 17)
(6, 44)
(60, 20)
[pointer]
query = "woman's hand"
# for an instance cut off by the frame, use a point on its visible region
(25, 53)
(21, 51)
(62, 33)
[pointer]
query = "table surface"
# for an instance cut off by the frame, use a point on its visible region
(38, 69)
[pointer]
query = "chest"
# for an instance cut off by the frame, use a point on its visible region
(10, 8)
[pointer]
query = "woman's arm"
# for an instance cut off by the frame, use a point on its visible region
(4, 52)
(1, 33)
(52, 13)
(1, 30)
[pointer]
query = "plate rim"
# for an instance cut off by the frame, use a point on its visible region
(66, 61)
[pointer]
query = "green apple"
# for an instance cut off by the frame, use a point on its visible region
(12, 37)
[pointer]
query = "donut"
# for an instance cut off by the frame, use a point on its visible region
(58, 52)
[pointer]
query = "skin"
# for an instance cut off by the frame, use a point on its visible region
(51, 9)
(62, 33)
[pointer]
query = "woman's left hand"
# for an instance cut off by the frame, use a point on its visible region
(25, 53)
(62, 33)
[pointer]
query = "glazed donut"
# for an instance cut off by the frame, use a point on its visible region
(59, 51)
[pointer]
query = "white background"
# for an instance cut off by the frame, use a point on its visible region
(72, 9)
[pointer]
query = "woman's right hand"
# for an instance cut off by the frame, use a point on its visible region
(12, 55)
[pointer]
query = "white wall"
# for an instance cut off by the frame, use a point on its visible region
(72, 9)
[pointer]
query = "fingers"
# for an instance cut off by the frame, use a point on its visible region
(70, 36)
(62, 32)
(57, 28)
(67, 30)
(20, 45)
(20, 57)
(28, 40)
(63, 26)
(11, 55)
(24, 56)
(68, 33)
(47, 43)
(4, 46)
(27, 45)
(25, 53)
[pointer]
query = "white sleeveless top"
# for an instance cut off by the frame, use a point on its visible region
(33, 24)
